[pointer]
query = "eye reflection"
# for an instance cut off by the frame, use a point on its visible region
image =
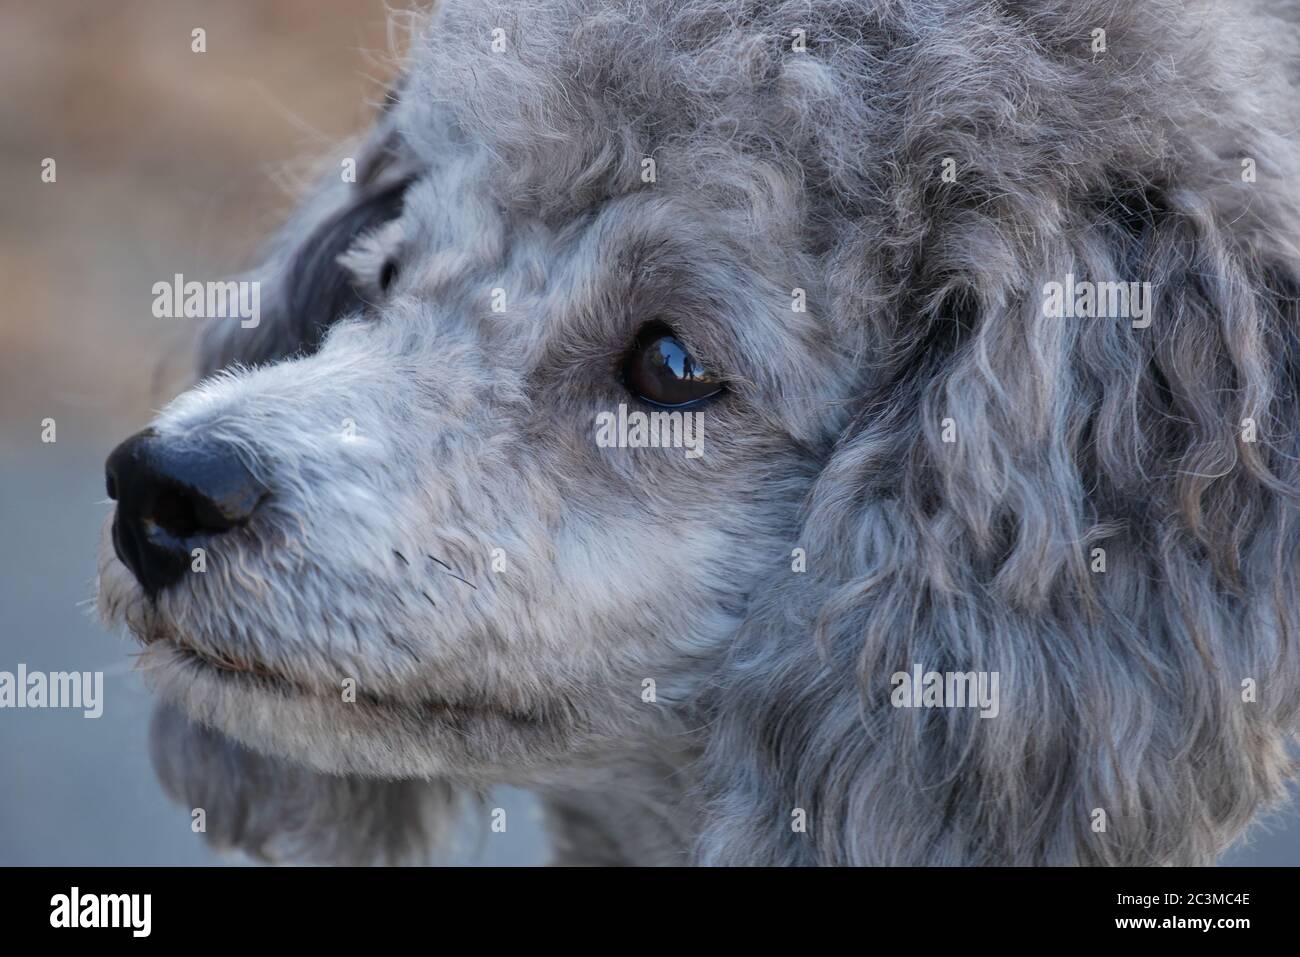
(662, 371)
(672, 355)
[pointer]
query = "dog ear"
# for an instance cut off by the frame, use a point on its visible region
(304, 289)
(1101, 524)
(1101, 512)
(281, 812)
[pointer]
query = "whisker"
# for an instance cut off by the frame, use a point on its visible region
(450, 572)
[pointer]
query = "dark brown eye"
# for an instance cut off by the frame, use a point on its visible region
(661, 371)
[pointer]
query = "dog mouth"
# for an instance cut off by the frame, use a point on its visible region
(234, 665)
(248, 674)
(234, 670)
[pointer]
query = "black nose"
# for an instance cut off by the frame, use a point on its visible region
(174, 495)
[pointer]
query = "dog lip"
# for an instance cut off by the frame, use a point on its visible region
(243, 670)
(233, 665)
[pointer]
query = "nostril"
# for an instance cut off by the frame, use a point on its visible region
(191, 489)
(225, 501)
(174, 512)
(171, 494)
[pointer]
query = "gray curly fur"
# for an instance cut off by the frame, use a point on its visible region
(777, 169)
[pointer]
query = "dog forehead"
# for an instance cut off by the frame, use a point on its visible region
(577, 102)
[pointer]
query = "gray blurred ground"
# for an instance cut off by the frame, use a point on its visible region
(168, 161)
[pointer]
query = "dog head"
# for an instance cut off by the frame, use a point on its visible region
(417, 477)
(416, 521)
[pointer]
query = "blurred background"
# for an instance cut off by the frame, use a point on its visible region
(167, 161)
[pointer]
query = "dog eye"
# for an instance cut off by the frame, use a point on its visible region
(661, 371)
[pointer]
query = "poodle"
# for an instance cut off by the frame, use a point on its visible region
(984, 546)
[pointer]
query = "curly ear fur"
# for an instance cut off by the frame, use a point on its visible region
(1122, 690)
